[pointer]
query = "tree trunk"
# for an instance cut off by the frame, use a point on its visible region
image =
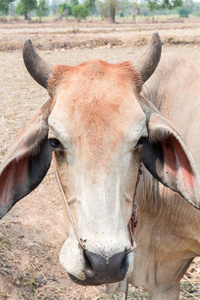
(4, 16)
(112, 12)
(26, 15)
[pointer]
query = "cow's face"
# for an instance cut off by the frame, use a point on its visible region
(95, 128)
(94, 124)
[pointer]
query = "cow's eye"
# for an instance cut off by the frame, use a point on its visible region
(140, 142)
(55, 143)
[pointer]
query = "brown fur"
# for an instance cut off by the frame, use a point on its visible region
(95, 69)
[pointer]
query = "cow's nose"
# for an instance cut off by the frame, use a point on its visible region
(100, 270)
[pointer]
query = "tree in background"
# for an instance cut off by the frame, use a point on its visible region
(80, 12)
(12, 9)
(90, 5)
(41, 9)
(74, 2)
(196, 9)
(166, 4)
(171, 4)
(113, 5)
(103, 9)
(184, 12)
(137, 6)
(4, 7)
(188, 7)
(108, 8)
(65, 9)
(55, 6)
(24, 7)
(153, 6)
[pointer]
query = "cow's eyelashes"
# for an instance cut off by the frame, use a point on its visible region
(55, 143)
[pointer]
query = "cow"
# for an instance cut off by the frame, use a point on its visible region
(101, 125)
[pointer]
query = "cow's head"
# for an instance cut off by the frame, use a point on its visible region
(98, 127)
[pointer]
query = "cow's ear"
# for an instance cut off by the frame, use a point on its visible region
(26, 162)
(166, 156)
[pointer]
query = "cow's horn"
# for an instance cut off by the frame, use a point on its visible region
(148, 61)
(39, 69)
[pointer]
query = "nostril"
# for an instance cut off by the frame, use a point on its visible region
(89, 272)
(124, 265)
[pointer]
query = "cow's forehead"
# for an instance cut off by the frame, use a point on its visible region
(95, 98)
(95, 71)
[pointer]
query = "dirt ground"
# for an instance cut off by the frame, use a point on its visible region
(32, 233)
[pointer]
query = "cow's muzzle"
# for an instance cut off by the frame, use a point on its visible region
(100, 270)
